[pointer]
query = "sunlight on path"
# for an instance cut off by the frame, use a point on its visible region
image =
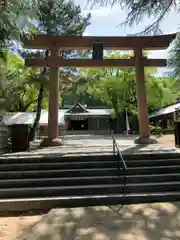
(135, 222)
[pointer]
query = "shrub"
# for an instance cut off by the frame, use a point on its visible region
(156, 130)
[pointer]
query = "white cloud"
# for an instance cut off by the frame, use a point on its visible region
(103, 11)
(86, 34)
(158, 54)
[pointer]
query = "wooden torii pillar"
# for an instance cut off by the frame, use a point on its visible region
(141, 95)
(53, 111)
(137, 44)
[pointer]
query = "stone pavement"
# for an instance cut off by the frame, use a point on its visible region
(160, 221)
(93, 144)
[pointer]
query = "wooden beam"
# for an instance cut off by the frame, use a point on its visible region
(155, 62)
(112, 43)
(81, 63)
(35, 62)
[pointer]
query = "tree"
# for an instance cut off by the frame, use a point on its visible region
(15, 85)
(13, 88)
(158, 9)
(174, 58)
(116, 88)
(16, 21)
(161, 92)
(74, 89)
(138, 10)
(116, 91)
(58, 17)
(62, 17)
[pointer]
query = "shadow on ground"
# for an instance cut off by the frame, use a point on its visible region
(134, 149)
(134, 222)
(145, 148)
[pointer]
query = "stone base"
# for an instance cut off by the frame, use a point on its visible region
(47, 142)
(145, 140)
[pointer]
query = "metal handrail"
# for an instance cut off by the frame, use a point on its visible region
(120, 158)
(115, 147)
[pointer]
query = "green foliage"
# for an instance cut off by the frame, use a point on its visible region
(155, 9)
(155, 130)
(174, 58)
(16, 20)
(62, 17)
(160, 92)
(112, 91)
(116, 88)
(58, 17)
(16, 85)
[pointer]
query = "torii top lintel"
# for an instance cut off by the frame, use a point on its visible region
(111, 43)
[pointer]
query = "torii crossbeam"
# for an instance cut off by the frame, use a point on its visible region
(54, 61)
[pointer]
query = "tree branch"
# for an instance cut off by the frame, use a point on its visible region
(157, 22)
(29, 104)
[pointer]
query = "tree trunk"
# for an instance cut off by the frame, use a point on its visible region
(38, 113)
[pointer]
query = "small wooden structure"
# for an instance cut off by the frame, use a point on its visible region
(80, 118)
(54, 61)
(166, 116)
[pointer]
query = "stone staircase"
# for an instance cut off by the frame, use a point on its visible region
(43, 183)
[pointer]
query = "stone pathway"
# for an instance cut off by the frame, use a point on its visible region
(93, 144)
(159, 221)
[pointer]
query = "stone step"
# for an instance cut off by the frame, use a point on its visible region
(152, 162)
(73, 181)
(59, 173)
(153, 170)
(45, 204)
(53, 158)
(80, 190)
(58, 165)
(88, 172)
(82, 165)
(47, 158)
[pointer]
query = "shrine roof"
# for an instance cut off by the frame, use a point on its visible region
(165, 110)
(28, 117)
(93, 112)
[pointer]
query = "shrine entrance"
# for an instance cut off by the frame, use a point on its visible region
(78, 125)
(98, 45)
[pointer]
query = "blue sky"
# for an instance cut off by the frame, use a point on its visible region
(104, 22)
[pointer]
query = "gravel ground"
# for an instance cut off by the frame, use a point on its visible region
(167, 140)
(11, 227)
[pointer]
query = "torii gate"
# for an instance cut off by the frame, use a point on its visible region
(54, 61)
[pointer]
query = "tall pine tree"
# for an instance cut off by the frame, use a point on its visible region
(58, 17)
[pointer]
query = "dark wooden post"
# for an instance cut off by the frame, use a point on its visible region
(97, 51)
